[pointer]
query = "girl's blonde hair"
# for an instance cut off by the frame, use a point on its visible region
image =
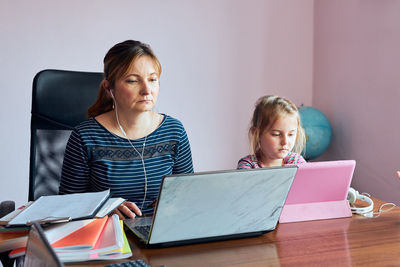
(267, 111)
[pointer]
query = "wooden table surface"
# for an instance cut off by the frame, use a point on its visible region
(356, 241)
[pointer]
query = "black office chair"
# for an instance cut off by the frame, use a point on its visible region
(60, 100)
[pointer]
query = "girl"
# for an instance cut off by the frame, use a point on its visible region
(276, 136)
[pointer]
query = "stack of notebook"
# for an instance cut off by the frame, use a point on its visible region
(78, 231)
(83, 240)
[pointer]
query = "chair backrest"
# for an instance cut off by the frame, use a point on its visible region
(60, 100)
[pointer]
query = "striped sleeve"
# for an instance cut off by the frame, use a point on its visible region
(183, 162)
(245, 163)
(75, 170)
(294, 158)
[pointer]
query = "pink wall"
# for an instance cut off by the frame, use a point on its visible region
(356, 84)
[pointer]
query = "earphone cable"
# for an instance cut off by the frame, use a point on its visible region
(140, 155)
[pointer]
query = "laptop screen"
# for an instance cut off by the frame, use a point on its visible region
(38, 250)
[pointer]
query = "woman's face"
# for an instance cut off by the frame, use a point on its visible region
(138, 89)
(280, 139)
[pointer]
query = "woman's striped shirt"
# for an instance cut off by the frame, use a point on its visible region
(96, 160)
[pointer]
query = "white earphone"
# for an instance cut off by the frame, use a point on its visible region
(140, 154)
(352, 196)
(120, 127)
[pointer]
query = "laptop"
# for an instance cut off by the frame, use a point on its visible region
(38, 249)
(319, 191)
(218, 205)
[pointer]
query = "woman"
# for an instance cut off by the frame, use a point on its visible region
(124, 145)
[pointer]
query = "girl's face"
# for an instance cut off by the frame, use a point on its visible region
(278, 140)
(138, 89)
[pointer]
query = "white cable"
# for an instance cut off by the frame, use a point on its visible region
(381, 209)
(367, 211)
(376, 214)
(140, 155)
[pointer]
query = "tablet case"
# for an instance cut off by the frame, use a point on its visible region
(319, 191)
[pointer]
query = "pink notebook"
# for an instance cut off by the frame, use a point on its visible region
(319, 191)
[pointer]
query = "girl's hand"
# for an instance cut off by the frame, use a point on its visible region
(127, 210)
(398, 174)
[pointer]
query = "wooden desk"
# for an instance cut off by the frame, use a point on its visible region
(338, 242)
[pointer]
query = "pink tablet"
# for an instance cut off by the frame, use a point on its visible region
(319, 191)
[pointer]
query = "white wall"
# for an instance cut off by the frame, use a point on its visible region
(357, 85)
(218, 57)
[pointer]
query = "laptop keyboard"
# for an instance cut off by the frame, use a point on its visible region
(143, 229)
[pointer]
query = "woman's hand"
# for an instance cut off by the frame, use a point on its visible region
(127, 210)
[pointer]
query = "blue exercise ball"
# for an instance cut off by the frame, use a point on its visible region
(318, 132)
